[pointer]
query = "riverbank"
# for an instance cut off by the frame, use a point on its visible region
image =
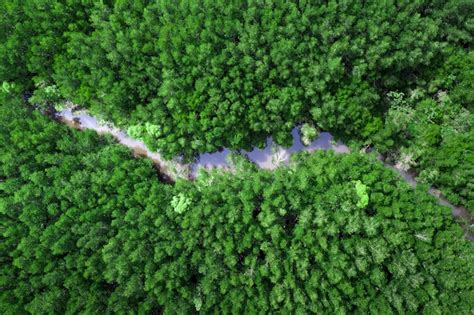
(269, 157)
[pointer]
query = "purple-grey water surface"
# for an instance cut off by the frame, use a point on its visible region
(269, 157)
(272, 155)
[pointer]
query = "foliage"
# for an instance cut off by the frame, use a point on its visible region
(212, 74)
(33, 34)
(308, 134)
(63, 195)
(189, 77)
(180, 203)
(435, 136)
(456, 76)
(6, 87)
(45, 96)
(88, 228)
(361, 191)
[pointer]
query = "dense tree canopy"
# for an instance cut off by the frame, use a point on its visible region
(431, 129)
(210, 74)
(59, 201)
(88, 228)
(196, 76)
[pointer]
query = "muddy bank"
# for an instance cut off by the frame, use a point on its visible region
(81, 120)
(460, 213)
(269, 157)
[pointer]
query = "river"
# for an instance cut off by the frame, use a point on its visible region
(269, 157)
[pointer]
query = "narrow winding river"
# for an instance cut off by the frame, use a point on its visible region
(268, 158)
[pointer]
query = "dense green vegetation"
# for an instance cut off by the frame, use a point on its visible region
(430, 129)
(195, 76)
(88, 228)
(435, 137)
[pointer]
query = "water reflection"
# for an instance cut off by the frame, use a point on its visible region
(269, 157)
(82, 120)
(272, 155)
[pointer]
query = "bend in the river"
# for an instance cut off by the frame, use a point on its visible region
(268, 158)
